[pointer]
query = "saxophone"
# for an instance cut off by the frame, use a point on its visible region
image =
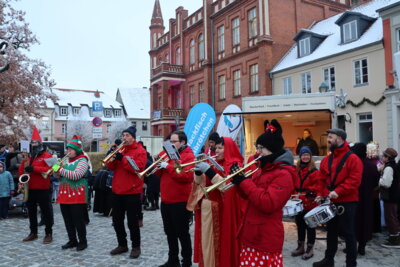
(24, 179)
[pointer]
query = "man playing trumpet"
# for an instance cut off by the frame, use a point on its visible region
(39, 188)
(126, 188)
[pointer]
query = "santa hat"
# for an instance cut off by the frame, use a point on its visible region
(35, 134)
(272, 138)
(76, 143)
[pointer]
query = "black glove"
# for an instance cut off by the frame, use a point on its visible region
(310, 193)
(234, 168)
(29, 169)
(198, 173)
(118, 156)
(237, 179)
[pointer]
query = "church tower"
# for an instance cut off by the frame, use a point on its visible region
(157, 25)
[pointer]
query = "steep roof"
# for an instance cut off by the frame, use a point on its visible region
(136, 102)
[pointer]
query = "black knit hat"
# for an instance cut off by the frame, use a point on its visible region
(360, 149)
(131, 130)
(272, 137)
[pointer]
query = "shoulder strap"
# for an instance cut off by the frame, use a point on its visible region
(302, 179)
(340, 166)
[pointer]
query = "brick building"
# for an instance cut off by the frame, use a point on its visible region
(222, 52)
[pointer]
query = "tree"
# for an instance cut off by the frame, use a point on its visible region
(81, 128)
(24, 82)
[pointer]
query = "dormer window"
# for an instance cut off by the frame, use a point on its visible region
(304, 47)
(350, 31)
(63, 111)
(76, 111)
(107, 113)
(117, 113)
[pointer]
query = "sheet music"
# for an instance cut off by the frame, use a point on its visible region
(132, 163)
(171, 150)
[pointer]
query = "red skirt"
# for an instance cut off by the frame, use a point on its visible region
(252, 257)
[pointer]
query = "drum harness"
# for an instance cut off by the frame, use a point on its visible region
(302, 180)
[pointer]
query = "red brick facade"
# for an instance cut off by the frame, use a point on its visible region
(176, 80)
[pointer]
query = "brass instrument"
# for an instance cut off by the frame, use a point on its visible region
(50, 171)
(210, 188)
(153, 167)
(230, 185)
(179, 167)
(24, 179)
(108, 158)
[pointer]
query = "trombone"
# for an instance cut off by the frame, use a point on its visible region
(179, 167)
(112, 154)
(210, 188)
(163, 157)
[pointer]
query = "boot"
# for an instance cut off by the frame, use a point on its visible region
(325, 262)
(30, 237)
(81, 246)
(48, 239)
(309, 252)
(299, 250)
(361, 249)
(171, 263)
(69, 244)
(393, 242)
(119, 250)
(135, 253)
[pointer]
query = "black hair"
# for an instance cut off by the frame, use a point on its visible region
(220, 141)
(168, 137)
(181, 136)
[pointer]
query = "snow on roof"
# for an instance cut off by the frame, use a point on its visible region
(77, 98)
(136, 102)
(332, 44)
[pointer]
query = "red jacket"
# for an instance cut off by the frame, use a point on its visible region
(309, 183)
(348, 179)
(36, 180)
(267, 193)
(125, 180)
(175, 187)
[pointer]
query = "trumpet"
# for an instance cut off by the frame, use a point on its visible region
(179, 167)
(230, 185)
(49, 171)
(153, 165)
(112, 154)
(210, 188)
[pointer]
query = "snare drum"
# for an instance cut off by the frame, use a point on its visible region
(321, 214)
(293, 207)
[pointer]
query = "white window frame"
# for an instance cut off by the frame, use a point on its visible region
(366, 117)
(63, 111)
(76, 111)
(304, 47)
(191, 52)
(397, 30)
(221, 38)
(360, 78)
(252, 22)
(350, 31)
(237, 90)
(117, 113)
(287, 86)
(254, 78)
(63, 128)
(133, 123)
(221, 87)
(305, 80)
(236, 31)
(329, 78)
(201, 47)
(107, 113)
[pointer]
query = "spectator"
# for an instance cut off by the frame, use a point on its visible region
(308, 141)
(6, 191)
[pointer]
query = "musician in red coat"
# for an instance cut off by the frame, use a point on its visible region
(175, 189)
(309, 186)
(341, 186)
(261, 232)
(127, 188)
(212, 143)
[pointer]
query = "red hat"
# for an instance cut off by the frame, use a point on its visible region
(35, 134)
(76, 143)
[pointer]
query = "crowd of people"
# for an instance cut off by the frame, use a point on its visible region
(237, 207)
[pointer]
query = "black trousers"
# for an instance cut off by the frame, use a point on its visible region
(41, 197)
(176, 218)
(302, 229)
(131, 205)
(74, 220)
(345, 225)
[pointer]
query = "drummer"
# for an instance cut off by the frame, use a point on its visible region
(340, 173)
(309, 181)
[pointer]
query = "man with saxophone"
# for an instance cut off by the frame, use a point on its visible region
(126, 188)
(39, 188)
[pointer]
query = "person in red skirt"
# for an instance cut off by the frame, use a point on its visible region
(261, 232)
(309, 182)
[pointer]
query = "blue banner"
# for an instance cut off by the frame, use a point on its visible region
(199, 123)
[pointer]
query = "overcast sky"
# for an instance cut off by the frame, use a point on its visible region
(96, 44)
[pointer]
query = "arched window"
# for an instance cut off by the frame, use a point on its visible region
(178, 56)
(201, 47)
(167, 58)
(191, 52)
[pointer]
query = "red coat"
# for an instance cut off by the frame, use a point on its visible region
(175, 187)
(37, 181)
(125, 180)
(312, 183)
(348, 179)
(267, 194)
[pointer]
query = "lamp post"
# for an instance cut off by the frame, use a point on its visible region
(323, 88)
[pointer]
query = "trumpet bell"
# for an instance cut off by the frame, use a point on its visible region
(24, 178)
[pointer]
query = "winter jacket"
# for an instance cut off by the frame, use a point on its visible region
(175, 187)
(310, 143)
(309, 185)
(13, 161)
(390, 183)
(348, 180)
(125, 180)
(267, 193)
(6, 184)
(37, 181)
(73, 185)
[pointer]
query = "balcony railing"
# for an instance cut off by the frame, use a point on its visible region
(167, 68)
(168, 113)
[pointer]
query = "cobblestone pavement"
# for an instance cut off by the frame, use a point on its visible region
(101, 239)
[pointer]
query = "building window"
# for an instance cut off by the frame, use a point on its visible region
(221, 39)
(201, 47)
(63, 128)
(237, 90)
(254, 78)
(76, 111)
(365, 128)
(361, 71)
(45, 123)
(235, 31)
(252, 21)
(350, 31)
(191, 95)
(287, 86)
(63, 111)
(329, 78)
(178, 56)
(191, 52)
(117, 113)
(107, 113)
(108, 128)
(144, 125)
(306, 83)
(167, 58)
(398, 39)
(304, 45)
(133, 123)
(201, 92)
(221, 87)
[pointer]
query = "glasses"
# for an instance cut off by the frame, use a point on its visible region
(174, 141)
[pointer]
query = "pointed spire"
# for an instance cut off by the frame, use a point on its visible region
(157, 15)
